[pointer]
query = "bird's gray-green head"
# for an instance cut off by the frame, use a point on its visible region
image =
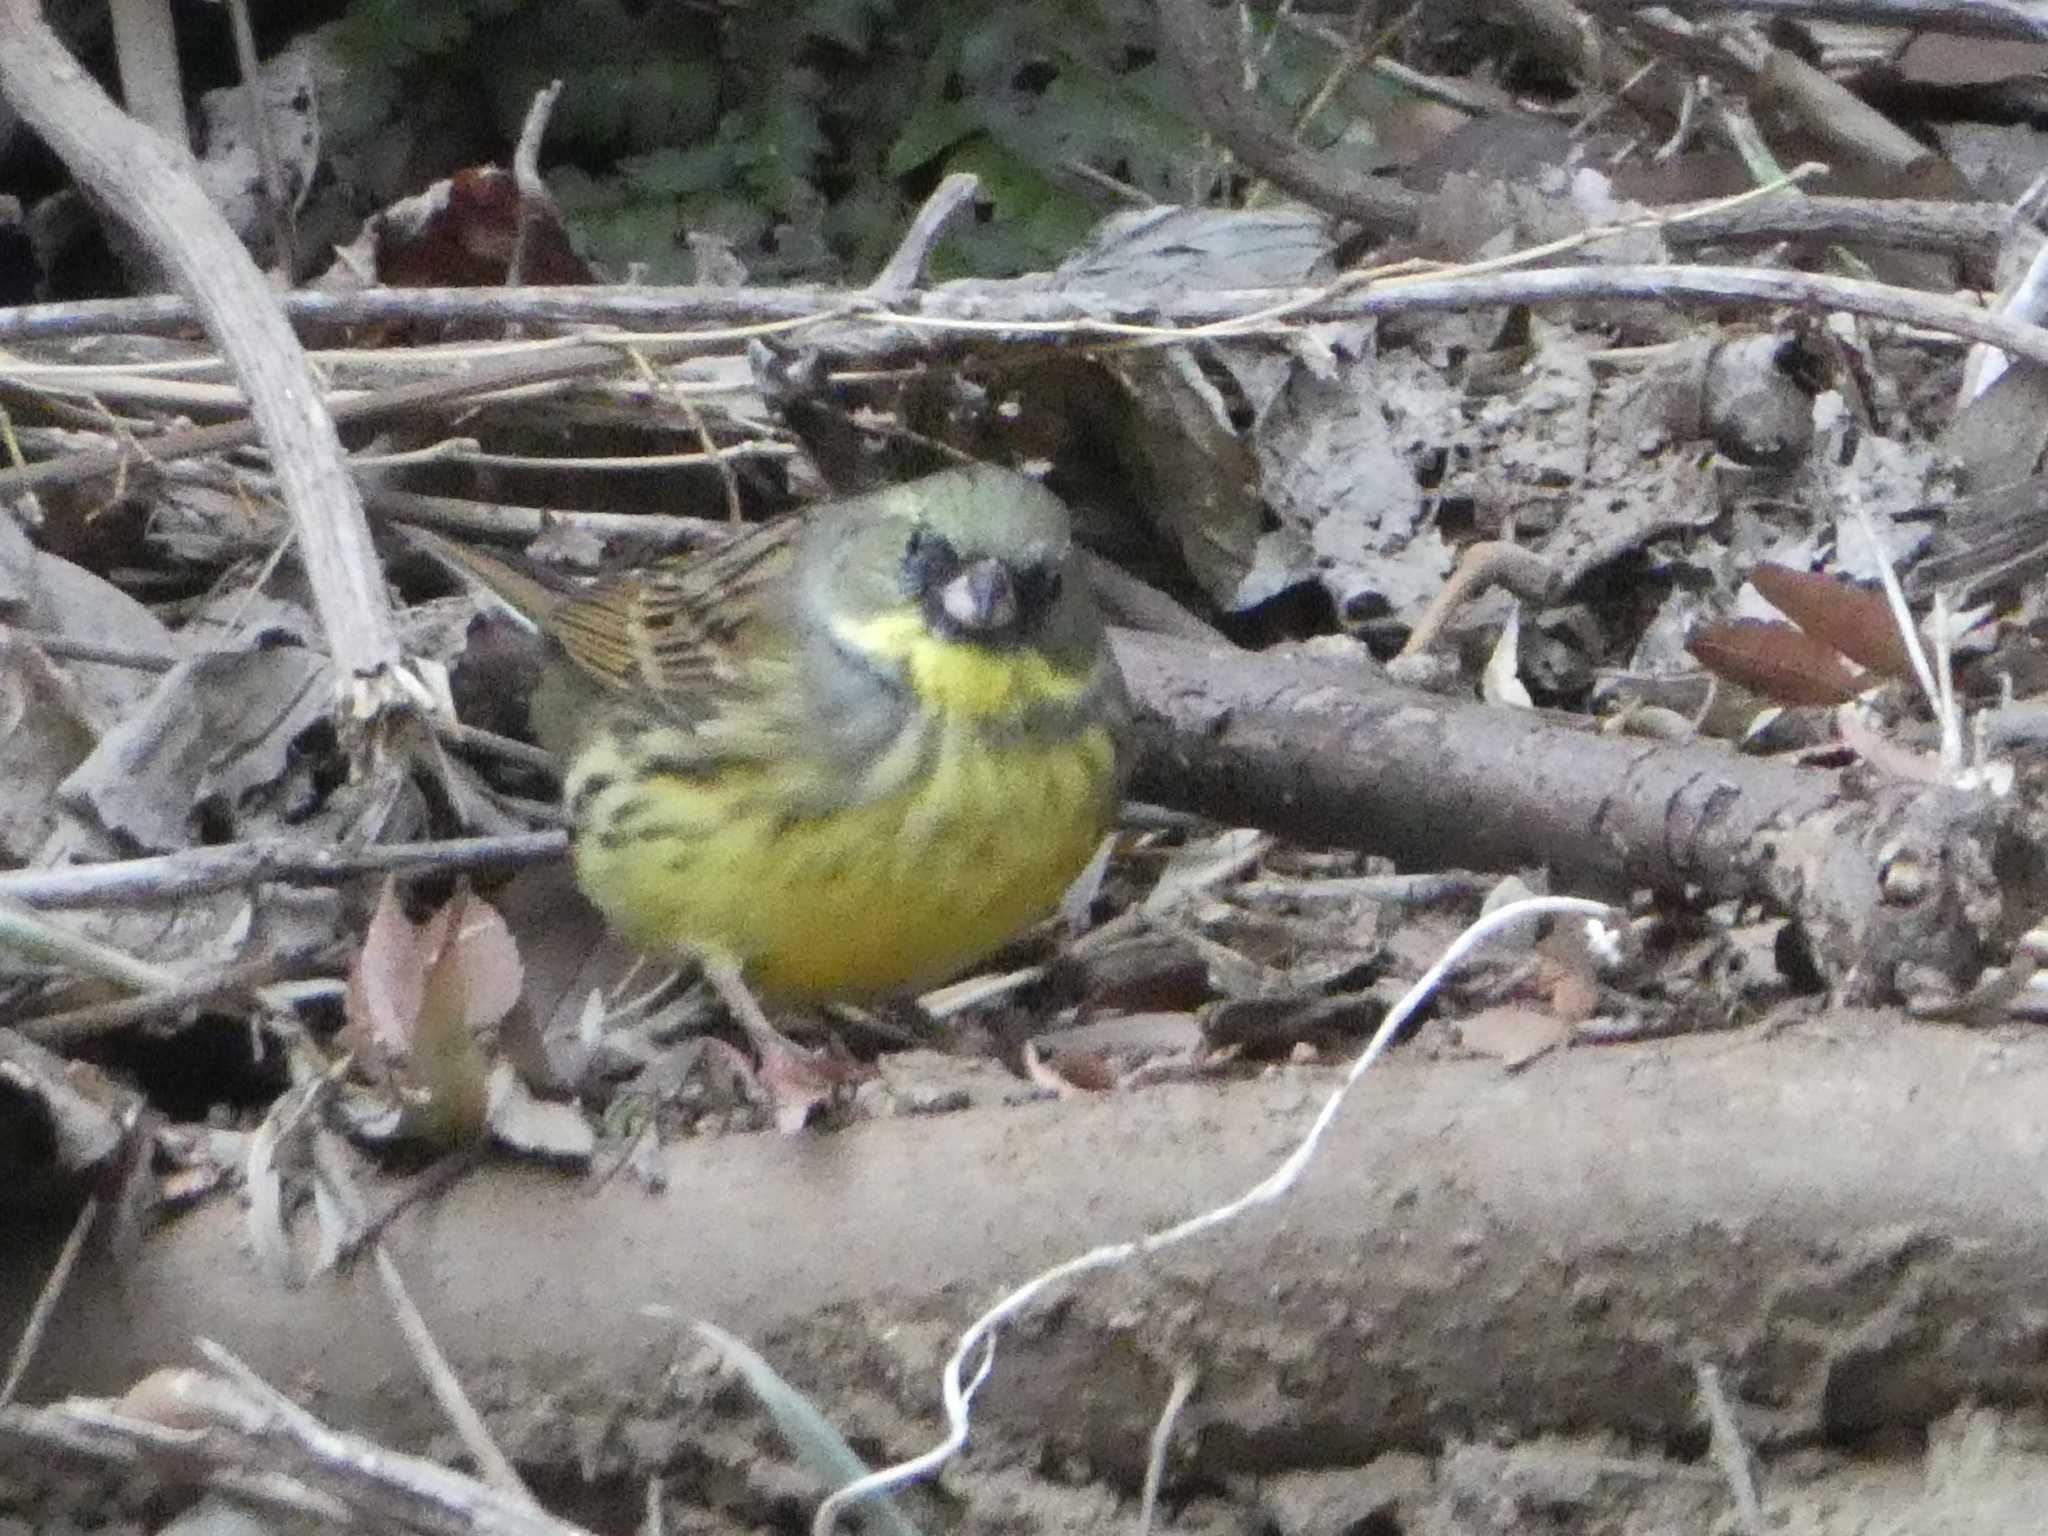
(985, 557)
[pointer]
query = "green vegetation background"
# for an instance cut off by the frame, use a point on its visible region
(802, 132)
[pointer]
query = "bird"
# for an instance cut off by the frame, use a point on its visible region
(843, 755)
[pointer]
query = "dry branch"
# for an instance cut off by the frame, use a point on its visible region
(1203, 43)
(1893, 884)
(1969, 18)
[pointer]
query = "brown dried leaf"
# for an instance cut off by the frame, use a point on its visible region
(1780, 661)
(386, 983)
(460, 233)
(414, 1000)
(1069, 1073)
(1855, 620)
(480, 944)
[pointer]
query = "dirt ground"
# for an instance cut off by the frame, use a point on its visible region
(1481, 1311)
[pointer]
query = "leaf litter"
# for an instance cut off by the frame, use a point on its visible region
(1653, 472)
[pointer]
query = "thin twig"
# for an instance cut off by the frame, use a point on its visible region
(1184, 1377)
(496, 1467)
(24, 933)
(153, 189)
(277, 199)
(46, 1300)
(542, 366)
(1969, 18)
(1731, 1455)
(199, 871)
(62, 1031)
(905, 267)
(522, 525)
(535, 206)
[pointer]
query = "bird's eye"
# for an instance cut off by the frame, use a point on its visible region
(929, 559)
(1038, 588)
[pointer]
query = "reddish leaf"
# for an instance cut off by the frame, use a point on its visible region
(1069, 1073)
(1855, 620)
(460, 233)
(1777, 660)
(416, 996)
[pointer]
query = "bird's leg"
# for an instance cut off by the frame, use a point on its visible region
(732, 989)
(796, 1081)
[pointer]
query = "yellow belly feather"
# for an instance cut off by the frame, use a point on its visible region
(901, 891)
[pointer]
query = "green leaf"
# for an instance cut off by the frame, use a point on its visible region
(1036, 219)
(815, 1440)
(934, 127)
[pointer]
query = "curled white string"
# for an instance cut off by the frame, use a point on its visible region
(958, 1395)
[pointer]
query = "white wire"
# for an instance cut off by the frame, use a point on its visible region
(981, 1333)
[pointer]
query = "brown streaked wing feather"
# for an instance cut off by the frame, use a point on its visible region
(675, 630)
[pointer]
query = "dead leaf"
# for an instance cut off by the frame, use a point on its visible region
(1501, 682)
(42, 591)
(534, 1127)
(1855, 620)
(44, 736)
(217, 728)
(460, 232)
(416, 997)
(1780, 661)
(1069, 1073)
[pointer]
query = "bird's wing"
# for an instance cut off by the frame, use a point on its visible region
(687, 629)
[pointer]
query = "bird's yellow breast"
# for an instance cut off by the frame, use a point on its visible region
(902, 891)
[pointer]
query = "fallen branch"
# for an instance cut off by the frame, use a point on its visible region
(1967, 18)
(1893, 884)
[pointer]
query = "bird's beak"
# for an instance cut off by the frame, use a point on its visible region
(981, 598)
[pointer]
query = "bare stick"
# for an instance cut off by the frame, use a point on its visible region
(545, 365)
(535, 206)
(198, 871)
(1162, 1444)
(907, 328)
(902, 271)
(242, 1426)
(919, 321)
(522, 525)
(46, 1300)
(469, 1425)
(60, 1031)
(284, 231)
(1313, 750)
(1203, 43)
(146, 58)
(1970, 18)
